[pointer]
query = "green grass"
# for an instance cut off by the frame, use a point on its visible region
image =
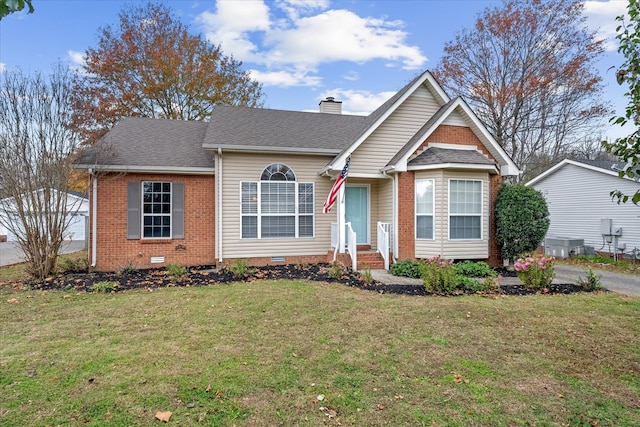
(260, 353)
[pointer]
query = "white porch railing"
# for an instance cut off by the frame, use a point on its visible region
(351, 243)
(352, 246)
(384, 242)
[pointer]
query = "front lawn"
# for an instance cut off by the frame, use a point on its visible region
(294, 352)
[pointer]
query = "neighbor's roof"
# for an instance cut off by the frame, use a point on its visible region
(260, 129)
(603, 166)
(145, 144)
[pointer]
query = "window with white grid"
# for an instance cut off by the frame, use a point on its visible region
(277, 206)
(465, 209)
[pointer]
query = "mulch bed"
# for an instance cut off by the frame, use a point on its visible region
(209, 275)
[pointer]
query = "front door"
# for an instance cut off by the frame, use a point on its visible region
(357, 211)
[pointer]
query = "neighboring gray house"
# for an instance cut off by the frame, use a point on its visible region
(578, 197)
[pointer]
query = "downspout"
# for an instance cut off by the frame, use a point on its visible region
(94, 222)
(395, 216)
(218, 210)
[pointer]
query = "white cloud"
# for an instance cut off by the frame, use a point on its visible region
(601, 17)
(77, 58)
(3, 67)
(285, 78)
(359, 102)
(306, 36)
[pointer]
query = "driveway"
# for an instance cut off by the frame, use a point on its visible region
(626, 284)
(11, 253)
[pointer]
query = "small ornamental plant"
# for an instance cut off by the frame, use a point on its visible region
(439, 275)
(535, 271)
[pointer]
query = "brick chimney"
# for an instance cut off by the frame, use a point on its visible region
(331, 106)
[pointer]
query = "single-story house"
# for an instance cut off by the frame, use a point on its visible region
(77, 212)
(250, 184)
(581, 208)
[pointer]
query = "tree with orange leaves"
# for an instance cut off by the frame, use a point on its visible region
(527, 69)
(151, 66)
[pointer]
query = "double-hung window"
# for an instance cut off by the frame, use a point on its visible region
(465, 209)
(155, 210)
(424, 209)
(277, 206)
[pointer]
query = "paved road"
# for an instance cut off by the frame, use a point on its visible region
(11, 253)
(626, 284)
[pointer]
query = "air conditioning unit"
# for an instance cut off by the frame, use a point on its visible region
(563, 247)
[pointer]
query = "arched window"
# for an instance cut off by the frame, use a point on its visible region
(277, 172)
(277, 206)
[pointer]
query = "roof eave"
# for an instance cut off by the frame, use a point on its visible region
(147, 169)
(493, 169)
(263, 149)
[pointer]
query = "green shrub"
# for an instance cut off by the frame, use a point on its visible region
(474, 269)
(469, 284)
(522, 220)
(239, 269)
(406, 268)
(337, 270)
(176, 271)
(365, 275)
(439, 276)
(591, 282)
(535, 271)
(104, 286)
(127, 269)
(70, 264)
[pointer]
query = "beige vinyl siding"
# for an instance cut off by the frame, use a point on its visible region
(441, 245)
(374, 153)
(455, 119)
(238, 167)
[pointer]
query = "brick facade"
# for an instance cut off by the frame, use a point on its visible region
(406, 216)
(406, 198)
(115, 251)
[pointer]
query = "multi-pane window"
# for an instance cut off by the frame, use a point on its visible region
(424, 209)
(156, 209)
(277, 205)
(465, 209)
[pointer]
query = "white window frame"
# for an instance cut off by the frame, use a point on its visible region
(153, 215)
(257, 212)
(466, 214)
(433, 208)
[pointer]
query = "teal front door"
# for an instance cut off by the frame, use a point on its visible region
(357, 211)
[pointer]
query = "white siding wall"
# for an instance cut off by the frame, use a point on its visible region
(441, 245)
(394, 133)
(578, 199)
(248, 167)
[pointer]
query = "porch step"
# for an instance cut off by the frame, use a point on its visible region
(366, 259)
(370, 259)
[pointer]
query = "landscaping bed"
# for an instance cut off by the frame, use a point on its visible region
(210, 275)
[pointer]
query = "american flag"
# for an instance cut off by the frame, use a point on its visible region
(333, 194)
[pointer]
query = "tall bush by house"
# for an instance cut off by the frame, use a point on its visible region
(522, 220)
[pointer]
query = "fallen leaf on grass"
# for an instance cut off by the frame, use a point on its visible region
(13, 300)
(164, 416)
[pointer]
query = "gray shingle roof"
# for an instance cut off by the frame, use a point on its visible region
(438, 156)
(280, 130)
(602, 164)
(144, 142)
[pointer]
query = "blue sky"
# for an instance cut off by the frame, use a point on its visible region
(358, 51)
